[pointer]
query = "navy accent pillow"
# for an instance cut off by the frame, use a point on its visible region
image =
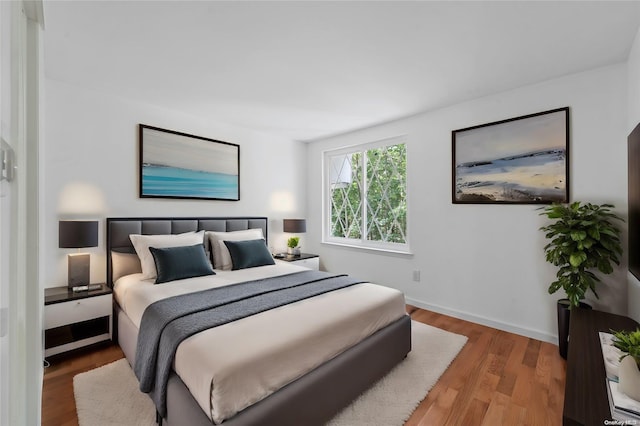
(249, 254)
(176, 263)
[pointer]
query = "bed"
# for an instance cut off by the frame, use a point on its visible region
(312, 397)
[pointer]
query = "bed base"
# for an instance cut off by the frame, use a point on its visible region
(311, 400)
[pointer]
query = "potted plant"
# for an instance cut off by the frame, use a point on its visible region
(582, 238)
(292, 246)
(628, 342)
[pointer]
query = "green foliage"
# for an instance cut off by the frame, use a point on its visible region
(346, 205)
(629, 343)
(292, 242)
(582, 237)
(386, 197)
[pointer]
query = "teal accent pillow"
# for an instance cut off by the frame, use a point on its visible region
(249, 254)
(177, 263)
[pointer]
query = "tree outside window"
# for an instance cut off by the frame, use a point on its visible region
(367, 191)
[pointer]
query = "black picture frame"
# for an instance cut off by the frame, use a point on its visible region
(183, 166)
(521, 160)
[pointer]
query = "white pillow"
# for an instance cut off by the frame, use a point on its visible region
(142, 243)
(221, 256)
(124, 264)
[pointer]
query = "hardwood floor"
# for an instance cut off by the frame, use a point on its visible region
(58, 403)
(498, 378)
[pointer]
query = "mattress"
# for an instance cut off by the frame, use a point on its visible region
(233, 366)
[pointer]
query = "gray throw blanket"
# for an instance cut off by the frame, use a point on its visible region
(166, 323)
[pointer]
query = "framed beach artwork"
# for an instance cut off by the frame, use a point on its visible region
(179, 165)
(522, 160)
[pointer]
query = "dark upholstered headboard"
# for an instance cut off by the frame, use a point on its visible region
(118, 230)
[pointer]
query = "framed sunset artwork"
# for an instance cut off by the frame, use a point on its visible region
(179, 165)
(522, 160)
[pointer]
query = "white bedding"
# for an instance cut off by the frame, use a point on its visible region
(233, 366)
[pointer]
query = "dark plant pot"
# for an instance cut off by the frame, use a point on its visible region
(563, 324)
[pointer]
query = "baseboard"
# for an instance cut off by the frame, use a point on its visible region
(533, 334)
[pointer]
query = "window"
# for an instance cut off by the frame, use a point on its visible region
(366, 195)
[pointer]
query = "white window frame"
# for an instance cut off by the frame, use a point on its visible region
(327, 238)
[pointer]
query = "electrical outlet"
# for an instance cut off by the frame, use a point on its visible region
(416, 275)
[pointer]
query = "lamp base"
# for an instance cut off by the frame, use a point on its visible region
(78, 269)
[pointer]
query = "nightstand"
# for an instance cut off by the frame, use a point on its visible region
(73, 320)
(311, 261)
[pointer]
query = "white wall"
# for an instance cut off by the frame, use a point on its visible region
(91, 170)
(485, 262)
(633, 93)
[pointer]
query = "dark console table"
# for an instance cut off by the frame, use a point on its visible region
(585, 395)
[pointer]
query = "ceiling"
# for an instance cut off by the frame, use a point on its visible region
(306, 70)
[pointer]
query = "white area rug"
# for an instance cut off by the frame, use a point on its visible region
(109, 395)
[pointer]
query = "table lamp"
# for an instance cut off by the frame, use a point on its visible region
(294, 226)
(78, 234)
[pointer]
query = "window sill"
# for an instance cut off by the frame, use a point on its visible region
(372, 249)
